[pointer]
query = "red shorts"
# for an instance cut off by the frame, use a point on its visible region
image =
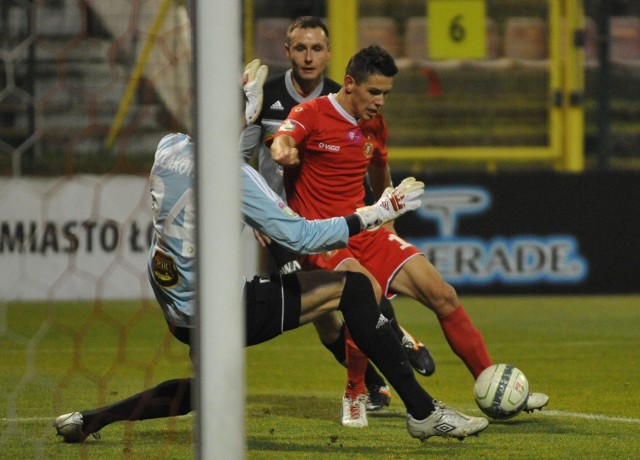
(381, 252)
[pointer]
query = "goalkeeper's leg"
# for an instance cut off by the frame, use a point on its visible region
(331, 333)
(374, 336)
(330, 329)
(418, 354)
(170, 398)
(353, 294)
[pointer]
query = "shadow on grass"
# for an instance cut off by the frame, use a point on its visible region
(304, 407)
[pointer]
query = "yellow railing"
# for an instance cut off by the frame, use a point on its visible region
(565, 146)
(136, 75)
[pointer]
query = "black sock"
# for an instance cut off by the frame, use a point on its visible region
(170, 398)
(375, 337)
(371, 376)
(387, 310)
(337, 348)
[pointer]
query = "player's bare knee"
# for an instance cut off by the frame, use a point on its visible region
(355, 267)
(443, 298)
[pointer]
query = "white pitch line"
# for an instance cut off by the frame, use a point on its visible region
(558, 413)
(26, 419)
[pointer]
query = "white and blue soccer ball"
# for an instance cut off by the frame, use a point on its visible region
(501, 391)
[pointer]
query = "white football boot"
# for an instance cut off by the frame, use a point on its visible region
(69, 426)
(536, 401)
(354, 411)
(446, 422)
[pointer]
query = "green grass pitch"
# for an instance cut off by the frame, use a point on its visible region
(583, 351)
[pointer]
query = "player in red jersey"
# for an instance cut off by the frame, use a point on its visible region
(308, 49)
(327, 145)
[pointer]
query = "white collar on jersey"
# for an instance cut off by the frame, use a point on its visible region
(288, 81)
(338, 107)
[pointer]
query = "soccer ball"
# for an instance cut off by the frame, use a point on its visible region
(501, 391)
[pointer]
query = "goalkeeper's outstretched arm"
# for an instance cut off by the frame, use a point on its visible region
(265, 211)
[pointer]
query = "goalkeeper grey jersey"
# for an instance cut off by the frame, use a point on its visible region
(171, 263)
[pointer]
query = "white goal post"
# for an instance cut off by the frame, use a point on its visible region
(220, 382)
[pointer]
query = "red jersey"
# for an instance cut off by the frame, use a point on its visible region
(335, 151)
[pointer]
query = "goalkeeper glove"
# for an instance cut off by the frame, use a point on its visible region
(252, 81)
(392, 204)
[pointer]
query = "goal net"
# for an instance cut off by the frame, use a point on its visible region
(87, 90)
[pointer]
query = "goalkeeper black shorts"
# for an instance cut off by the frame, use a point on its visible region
(272, 307)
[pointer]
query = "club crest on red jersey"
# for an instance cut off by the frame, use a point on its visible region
(368, 149)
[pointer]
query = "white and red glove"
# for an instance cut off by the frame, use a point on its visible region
(392, 204)
(252, 81)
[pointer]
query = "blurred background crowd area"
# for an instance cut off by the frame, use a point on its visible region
(92, 86)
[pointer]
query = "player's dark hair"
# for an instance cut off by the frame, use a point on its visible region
(307, 22)
(372, 60)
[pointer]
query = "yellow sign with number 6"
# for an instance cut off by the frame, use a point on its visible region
(456, 29)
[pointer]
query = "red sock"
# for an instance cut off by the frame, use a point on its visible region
(466, 341)
(356, 367)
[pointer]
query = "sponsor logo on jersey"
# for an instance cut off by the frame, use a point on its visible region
(368, 149)
(354, 136)
(165, 272)
(277, 105)
(287, 210)
(331, 148)
(287, 125)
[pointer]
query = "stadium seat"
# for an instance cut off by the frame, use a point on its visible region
(380, 31)
(525, 38)
(493, 39)
(269, 38)
(625, 38)
(416, 46)
(591, 40)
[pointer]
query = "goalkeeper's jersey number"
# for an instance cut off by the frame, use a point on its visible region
(174, 217)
